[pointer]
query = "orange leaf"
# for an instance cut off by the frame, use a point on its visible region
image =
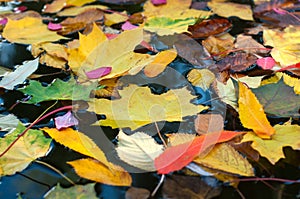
(252, 114)
(176, 157)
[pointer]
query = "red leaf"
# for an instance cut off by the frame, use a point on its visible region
(97, 73)
(291, 67)
(266, 63)
(54, 26)
(176, 157)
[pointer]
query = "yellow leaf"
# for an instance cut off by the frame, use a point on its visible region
(226, 92)
(78, 2)
(77, 141)
(286, 135)
(227, 9)
(224, 157)
(28, 148)
(74, 11)
(29, 30)
(160, 62)
(286, 44)
(252, 114)
(115, 18)
(138, 107)
(96, 51)
(292, 82)
(94, 170)
(201, 78)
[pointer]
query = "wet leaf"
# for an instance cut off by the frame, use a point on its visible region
(137, 193)
(202, 78)
(227, 9)
(54, 26)
(28, 148)
(8, 122)
(266, 63)
(58, 5)
(208, 123)
(138, 107)
(128, 26)
(252, 115)
(138, 150)
(65, 121)
(292, 82)
(225, 158)
(77, 191)
(249, 45)
(115, 18)
(10, 80)
(176, 157)
(97, 73)
(272, 149)
(219, 47)
(237, 62)
(74, 11)
(94, 170)
(29, 30)
(227, 93)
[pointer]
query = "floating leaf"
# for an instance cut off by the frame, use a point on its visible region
(138, 107)
(176, 157)
(252, 114)
(28, 30)
(94, 170)
(138, 150)
(28, 148)
(18, 76)
(224, 157)
(272, 149)
(202, 78)
(65, 121)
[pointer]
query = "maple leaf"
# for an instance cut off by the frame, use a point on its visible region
(138, 150)
(224, 157)
(29, 30)
(252, 114)
(176, 157)
(272, 149)
(138, 107)
(28, 148)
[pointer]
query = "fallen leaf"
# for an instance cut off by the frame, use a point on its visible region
(218, 47)
(160, 62)
(208, 123)
(249, 45)
(109, 88)
(202, 78)
(138, 150)
(128, 26)
(74, 11)
(97, 73)
(10, 80)
(58, 90)
(115, 18)
(29, 147)
(158, 2)
(227, 93)
(292, 82)
(57, 5)
(237, 62)
(228, 9)
(252, 115)
(272, 96)
(94, 170)
(224, 157)
(65, 121)
(266, 63)
(137, 193)
(54, 26)
(8, 122)
(78, 191)
(29, 30)
(138, 107)
(176, 157)
(272, 149)
(286, 44)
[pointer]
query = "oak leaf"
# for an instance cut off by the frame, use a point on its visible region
(272, 149)
(138, 107)
(252, 114)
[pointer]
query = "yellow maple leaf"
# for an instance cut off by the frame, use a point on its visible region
(252, 114)
(29, 30)
(286, 44)
(224, 157)
(94, 170)
(286, 135)
(138, 107)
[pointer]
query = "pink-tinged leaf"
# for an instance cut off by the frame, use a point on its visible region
(99, 72)
(128, 26)
(279, 11)
(158, 2)
(20, 9)
(266, 63)
(3, 21)
(111, 35)
(291, 67)
(176, 157)
(54, 26)
(148, 46)
(65, 121)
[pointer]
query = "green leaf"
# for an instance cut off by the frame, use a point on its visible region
(76, 192)
(28, 148)
(278, 99)
(59, 90)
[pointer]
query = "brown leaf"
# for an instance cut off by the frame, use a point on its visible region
(249, 45)
(137, 193)
(208, 123)
(209, 27)
(110, 88)
(237, 62)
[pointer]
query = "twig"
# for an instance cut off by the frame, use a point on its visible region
(160, 136)
(158, 185)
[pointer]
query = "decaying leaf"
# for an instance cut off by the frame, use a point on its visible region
(224, 157)
(272, 149)
(94, 170)
(208, 123)
(227, 93)
(137, 193)
(58, 5)
(202, 78)
(74, 11)
(29, 30)
(237, 62)
(138, 107)
(252, 114)
(28, 148)
(138, 150)
(249, 45)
